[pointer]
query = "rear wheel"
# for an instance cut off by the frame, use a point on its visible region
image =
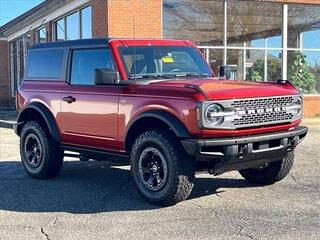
(162, 171)
(40, 154)
(271, 173)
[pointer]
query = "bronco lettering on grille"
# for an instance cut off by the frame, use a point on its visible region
(261, 110)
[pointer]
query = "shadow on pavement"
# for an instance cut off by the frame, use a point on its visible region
(85, 187)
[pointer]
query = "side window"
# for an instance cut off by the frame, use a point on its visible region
(45, 64)
(84, 62)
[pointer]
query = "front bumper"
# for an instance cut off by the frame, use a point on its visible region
(226, 154)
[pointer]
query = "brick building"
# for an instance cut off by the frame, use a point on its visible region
(260, 40)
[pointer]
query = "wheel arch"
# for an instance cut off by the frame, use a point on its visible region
(38, 111)
(151, 120)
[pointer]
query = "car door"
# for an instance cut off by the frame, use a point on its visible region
(89, 113)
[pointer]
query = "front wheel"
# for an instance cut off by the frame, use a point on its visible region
(162, 171)
(40, 154)
(271, 173)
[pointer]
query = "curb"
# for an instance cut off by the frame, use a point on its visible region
(6, 124)
(312, 122)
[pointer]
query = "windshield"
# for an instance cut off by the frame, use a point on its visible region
(163, 62)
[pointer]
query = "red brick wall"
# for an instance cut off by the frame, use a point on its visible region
(146, 14)
(115, 18)
(49, 27)
(311, 106)
(99, 18)
(5, 98)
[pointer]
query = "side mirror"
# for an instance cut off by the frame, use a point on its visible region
(225, 72)
(106, 76)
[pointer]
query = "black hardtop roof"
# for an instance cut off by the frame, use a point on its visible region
(72, 43)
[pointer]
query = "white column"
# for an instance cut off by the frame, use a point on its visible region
(11, 56)
(207, 54)
(285, 42)
(265, 77)
(225, 24)
(244, 61)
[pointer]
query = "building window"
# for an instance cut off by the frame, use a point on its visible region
(246, 23)
(18, 54)
(199, 21)
(249, 36)
(72, 26)
(77, 25)
(60, 30)
(304, 47)
(41, 35)
(86, 23)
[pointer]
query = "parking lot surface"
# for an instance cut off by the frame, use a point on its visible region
(97, 200)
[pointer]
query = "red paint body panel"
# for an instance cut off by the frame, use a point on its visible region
(222, 89)
(100, 116)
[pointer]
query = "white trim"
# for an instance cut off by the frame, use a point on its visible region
(74, 5)
(304, 49)
(261, 48)
(247, 48)
(3, 39)
(285, 42)
(311, 95)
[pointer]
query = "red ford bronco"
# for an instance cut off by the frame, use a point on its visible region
(158, 104)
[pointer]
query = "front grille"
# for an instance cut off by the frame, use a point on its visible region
(263, 118)
(263, 102)
(256, 112)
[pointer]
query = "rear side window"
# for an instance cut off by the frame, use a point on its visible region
(45, 64)
(84, 62)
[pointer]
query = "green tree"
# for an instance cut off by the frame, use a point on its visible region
(273, 67)
(300, 74)
(256, 71)
(255, 76)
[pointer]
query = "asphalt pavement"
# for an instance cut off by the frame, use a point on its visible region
(97, 200)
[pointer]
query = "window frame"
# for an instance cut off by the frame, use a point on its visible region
(37, 34)
(61, 78)
(70, 60)
(123, 62)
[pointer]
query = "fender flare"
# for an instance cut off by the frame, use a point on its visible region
(46, 115)
(173, 122)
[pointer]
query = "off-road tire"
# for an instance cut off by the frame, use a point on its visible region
(274, 172)
(181, 169)
(51, 155)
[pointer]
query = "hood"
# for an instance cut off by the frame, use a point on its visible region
(227, 89)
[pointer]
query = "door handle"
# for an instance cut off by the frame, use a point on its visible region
(69, 99)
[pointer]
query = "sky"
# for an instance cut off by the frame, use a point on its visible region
(10, 9)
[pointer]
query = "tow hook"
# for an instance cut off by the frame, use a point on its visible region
(211, 171)
(243, 149)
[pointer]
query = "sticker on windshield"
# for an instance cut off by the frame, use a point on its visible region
(167, 59)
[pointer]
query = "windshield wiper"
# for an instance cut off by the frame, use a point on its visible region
(162, 76)
(192, 74)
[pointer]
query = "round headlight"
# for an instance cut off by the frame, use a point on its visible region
(298, 102)
(212, 114)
